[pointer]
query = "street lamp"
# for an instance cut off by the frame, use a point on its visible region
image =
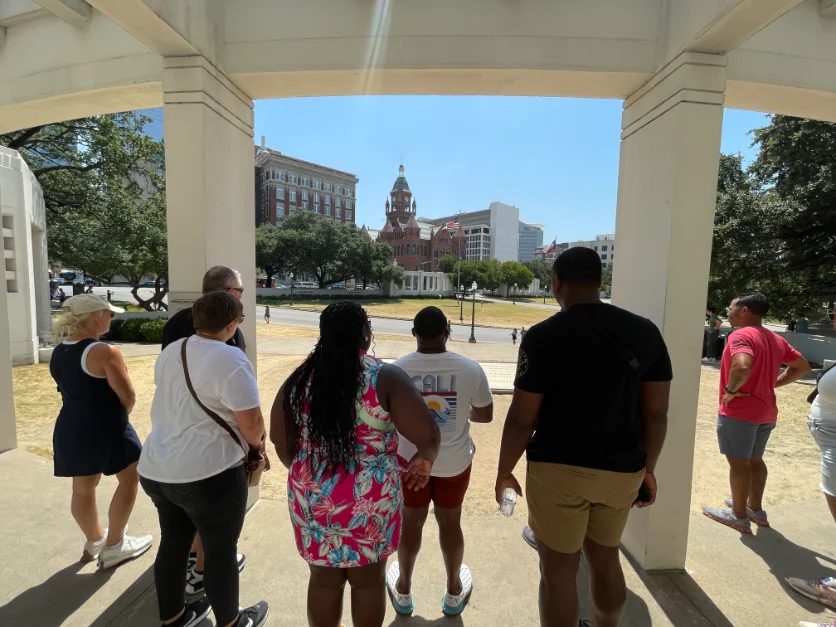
(515, 294)
(291, 289)
(472, 339)
(461, 303)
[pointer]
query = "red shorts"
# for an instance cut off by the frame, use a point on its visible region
(445, 492)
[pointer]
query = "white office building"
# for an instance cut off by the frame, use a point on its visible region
(492, 233)
(604, 245)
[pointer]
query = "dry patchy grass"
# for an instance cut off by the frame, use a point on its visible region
(792, 455)
(281, 330)
(490, 314)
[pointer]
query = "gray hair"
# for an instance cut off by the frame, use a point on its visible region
(221, 278)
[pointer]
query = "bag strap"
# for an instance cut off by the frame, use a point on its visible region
(223, 423)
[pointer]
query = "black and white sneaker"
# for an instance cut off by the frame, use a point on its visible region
(254, 616)
(195, 612)
(194, 579)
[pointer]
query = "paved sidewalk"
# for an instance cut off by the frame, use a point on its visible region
(730, 580)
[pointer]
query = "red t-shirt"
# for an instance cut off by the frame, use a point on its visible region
(768, 350)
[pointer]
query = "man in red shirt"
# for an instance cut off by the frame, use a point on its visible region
(749, 373)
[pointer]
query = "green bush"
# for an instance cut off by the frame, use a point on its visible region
(131, 330)
(115, 332)
(152, 330)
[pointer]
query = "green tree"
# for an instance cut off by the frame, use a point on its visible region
(328, 250)
(447, 264)
(275, 250)
(542, 270)
(606, 278)
(513, 272)
(104, 194)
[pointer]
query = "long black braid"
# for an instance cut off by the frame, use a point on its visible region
(335, 372)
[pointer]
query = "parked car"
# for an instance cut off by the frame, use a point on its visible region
(337, 286)
(152, 283)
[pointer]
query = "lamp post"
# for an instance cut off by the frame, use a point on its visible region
(291, 289)
(472, 339)
(515, 294)
(544, 295)
(461, 303)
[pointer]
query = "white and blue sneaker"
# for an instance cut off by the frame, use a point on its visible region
(402, 603)
(453, 605)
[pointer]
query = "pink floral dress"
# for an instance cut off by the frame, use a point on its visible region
(350, 516)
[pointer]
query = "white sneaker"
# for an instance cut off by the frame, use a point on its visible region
(131, 547)
(528, 536)
(92, 549)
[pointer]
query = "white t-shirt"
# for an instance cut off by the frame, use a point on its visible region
(824, 405)
(450, 384)
(185, 444)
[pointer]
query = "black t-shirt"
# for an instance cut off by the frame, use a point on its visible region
(181, 325)
(578, 359)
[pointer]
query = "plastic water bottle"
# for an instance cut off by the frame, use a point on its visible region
(509, 500)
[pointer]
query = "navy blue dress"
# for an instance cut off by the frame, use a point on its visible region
(92, 434)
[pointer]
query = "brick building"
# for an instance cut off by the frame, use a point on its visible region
(417, 245)
(285, 184)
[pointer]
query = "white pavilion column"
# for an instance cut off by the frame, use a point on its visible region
(8, 430)
(209, 181)
(667, 184)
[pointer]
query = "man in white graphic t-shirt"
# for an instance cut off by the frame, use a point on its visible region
(457, 393)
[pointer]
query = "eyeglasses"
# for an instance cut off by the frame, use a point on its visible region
(241, 319)
(240, 290)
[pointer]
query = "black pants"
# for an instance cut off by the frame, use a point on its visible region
(215, 508)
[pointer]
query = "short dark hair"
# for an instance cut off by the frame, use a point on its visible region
(711, 308)
(578, 266)
(430, 323)
(755, 302)
(213, 311)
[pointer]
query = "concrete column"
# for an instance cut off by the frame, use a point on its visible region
(8, 432)
(667, 187)
(209, 181)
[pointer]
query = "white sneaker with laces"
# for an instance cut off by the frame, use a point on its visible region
(128, 549)
(92, 549)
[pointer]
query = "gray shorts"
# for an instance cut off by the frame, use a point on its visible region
(742, 439)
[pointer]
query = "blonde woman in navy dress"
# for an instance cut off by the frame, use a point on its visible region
(92, 434)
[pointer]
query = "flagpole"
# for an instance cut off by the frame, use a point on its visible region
(459, 256)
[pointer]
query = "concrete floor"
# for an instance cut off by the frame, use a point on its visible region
(729, 580)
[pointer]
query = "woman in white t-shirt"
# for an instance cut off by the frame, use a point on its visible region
(193, 470)
(822, 423)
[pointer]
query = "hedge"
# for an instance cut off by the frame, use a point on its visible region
(137, 330)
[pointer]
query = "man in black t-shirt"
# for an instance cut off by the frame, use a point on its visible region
(179, 326)
(590, 409)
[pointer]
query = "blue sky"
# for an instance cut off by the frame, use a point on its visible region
(554, 158)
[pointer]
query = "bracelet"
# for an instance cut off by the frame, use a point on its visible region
(728, 391)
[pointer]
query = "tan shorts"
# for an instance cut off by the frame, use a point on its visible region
(567, 504)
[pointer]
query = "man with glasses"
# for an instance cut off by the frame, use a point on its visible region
(179, 326)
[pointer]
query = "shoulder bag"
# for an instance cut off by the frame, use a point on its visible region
(256, 461)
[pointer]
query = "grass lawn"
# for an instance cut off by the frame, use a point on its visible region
(489, 314)
(290, 332)
(792, 456)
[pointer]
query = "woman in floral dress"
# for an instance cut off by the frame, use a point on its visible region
(335, 424)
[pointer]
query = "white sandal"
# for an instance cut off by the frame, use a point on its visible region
(402, 603)
(453, 605)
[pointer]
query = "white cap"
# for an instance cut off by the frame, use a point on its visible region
(87, 304)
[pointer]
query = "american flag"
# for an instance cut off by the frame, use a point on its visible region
(452, 225)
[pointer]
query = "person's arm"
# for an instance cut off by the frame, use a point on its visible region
(239, 393)
(411, 418)
(530, 387)
(481, 403)
(481, 414)
(106, 360)
(795, 370)
(741, 370)
(655, 396)
(519, 427)
(286, 448)
(251, 424)
(718, 324)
